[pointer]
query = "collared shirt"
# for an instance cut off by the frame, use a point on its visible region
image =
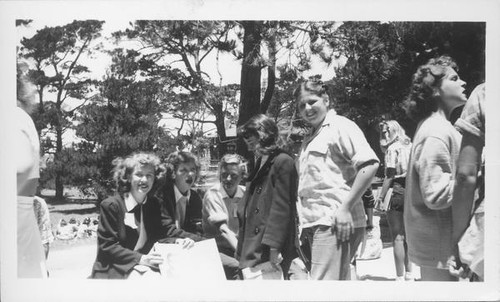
(328, 164)
(218, 207)
(130, 204)
(181, 202)
(397, 157)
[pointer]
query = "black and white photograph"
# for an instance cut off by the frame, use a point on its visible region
(250, 150)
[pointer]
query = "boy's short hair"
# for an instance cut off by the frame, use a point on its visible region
(233, 159)
(312, 86)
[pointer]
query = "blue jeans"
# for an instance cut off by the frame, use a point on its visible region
(331, 260)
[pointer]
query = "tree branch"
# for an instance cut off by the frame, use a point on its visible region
(192, 119)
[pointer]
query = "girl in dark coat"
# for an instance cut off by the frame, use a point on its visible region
(130, 222)
(267, 212)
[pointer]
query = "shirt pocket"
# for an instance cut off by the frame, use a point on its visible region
(317, 149)
(316, 160)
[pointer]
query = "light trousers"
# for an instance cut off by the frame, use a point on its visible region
(331, 259)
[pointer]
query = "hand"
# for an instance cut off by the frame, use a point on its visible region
(152, 260)
(378, 204)
(457, 268)
(275, 256)
(186, 243)
(343, 224)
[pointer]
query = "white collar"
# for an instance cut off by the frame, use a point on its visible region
(178, 194)
(130, 201)
(239, 192)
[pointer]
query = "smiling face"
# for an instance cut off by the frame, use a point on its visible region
(452, 89)
(185, 176)
(230, 177)
(312, 108)
(141, 181)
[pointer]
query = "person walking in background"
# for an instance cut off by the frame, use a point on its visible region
(436, 90)
(468, 195)
(266, 215)
(396, 146)
(30, 254)
(336, 166)
(130, 222)
(220, 204)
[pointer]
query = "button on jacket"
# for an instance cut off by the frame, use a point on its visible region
(267, 212)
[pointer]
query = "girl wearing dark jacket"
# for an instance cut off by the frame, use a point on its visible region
(267, 212)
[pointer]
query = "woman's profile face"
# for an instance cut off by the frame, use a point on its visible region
(384, 130)
(452, 87)
(252, 140)
(27, 96)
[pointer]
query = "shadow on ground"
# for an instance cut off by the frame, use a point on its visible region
(374, 278)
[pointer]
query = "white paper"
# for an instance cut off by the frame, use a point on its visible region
(263, 271)
(201, 262)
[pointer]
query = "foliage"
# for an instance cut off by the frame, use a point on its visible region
(167, 74)
(56, 52)
(176, 51)
(124, 119)
(380, 59)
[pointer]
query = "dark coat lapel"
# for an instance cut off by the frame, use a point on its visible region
(264, 170)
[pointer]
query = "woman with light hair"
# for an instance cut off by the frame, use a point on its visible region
(220, 203)
(396, 146)
(130, 222)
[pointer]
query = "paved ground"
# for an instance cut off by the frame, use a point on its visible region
(75, 262)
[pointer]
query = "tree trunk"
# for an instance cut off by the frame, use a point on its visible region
(250, 79)
(59, 164)
(271, 76)
(221, 133)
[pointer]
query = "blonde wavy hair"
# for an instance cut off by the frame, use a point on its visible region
(396, 133)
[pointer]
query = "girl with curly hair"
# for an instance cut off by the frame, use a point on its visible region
(436, 91)
(130, 221)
